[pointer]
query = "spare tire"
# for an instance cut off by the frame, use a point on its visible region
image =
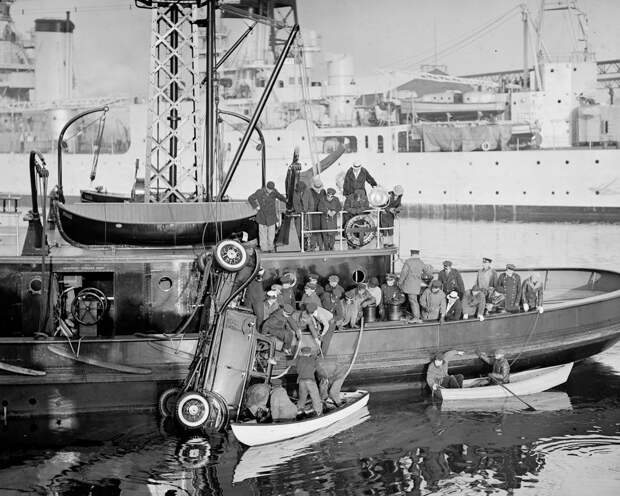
(230, 255)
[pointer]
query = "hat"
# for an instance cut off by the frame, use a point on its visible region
(313, 276)
(310, 285)
(350, 294)
(276, 287)
(487, 259)
(331, 191)
(356, 164)
(435, 283)
(286, 279)
(447, 263)
(390, 276)
(439, 355)
(288, 308)
(306, 350)
(333, 278)
(270, 185)
(374, 280)
(261, 270)
(362, 285)
(311, 307)
(398, 190)
(414, 252)
(316, 182)
(276, 382)
(510, 267)
(272, 293)
(453, 294)
(499, 351)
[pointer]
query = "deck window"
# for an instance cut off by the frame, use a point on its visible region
(379, 144)
(331, 143)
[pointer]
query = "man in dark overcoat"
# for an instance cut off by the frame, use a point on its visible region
(330, 207)
(356, 178)
(509, 284)
(264, 202)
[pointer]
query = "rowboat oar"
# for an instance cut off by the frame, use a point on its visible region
(529, 407)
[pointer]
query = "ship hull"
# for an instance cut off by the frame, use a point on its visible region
(582, 318)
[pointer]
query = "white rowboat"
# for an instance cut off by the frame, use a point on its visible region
(254, 434)
(521, 383)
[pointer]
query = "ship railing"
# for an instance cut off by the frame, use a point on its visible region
(338, 231)
(10, 210)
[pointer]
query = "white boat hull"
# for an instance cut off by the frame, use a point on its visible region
(255, 434)
(522, 383)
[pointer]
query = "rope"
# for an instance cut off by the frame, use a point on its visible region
(527, 340)
(307, 108)
(357, 347)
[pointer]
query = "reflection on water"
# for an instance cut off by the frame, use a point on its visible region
(402, 447)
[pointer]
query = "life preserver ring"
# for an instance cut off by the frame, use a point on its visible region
(485, 146)
(230, 255)
(360, 230)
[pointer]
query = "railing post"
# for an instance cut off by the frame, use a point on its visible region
(303, 236)
(378, 213)
(340, 227)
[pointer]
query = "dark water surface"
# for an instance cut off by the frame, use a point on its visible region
(401, 445)
(570, 445)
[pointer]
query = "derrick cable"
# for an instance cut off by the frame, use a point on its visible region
(459, 40)
(456, 47)
(301, 59)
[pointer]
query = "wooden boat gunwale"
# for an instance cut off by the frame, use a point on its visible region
(356, 404)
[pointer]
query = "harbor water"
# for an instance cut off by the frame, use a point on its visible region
(401, 445)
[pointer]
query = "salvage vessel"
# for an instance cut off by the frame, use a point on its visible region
(114, 323)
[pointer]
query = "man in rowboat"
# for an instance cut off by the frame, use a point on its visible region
(306, 365)
(437, 374)
(501, 367)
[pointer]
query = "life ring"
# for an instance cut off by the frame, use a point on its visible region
(360, 230)
(167, 400)
(485, 146)
(230, 255)
(192, 410)
(194, 453)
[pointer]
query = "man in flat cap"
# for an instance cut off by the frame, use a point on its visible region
(391, 294)
(314, 279)
(281, 325)
(433, 302)
(288, 281)
(271, 303)
(451, 279)
(509, 284)
(501, 367)
(331, 299)
(411, 282)
(264, 202)
(487, 276)
(306, 365)
(321, 326)
(329, 206)
(310, 295)
(437, 374)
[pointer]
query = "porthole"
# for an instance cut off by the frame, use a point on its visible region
(568, 192)
(559, 101)
(32, 401)
(496, 163)
(470, 192)
(567, 162)
(553, 192)
(444, 192)
(165, 283)
(35, 285)
(497, 192)
(525, 192)
(538, 162)
(419, 192)
(359, 275)
(596, 161)
(278, 138)
(597, 192)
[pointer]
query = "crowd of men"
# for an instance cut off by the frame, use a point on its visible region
(320, 207)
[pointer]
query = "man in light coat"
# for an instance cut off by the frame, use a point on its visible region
(264, 202)
(411, 282)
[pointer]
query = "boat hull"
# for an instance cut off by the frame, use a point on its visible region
(581, 319)
(521, 384)
(140, 224)
(254, 434)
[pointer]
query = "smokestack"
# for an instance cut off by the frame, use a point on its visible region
(53, 68)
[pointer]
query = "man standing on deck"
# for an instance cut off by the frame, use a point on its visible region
(509, 284)
(437, 374)
(306, 365)
(281, 325)
(329, 206)
(264, 202)
(411, 281)
(356, 179)
(487, 276)
(255, 297)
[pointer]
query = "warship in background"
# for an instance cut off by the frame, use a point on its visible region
(536, 144)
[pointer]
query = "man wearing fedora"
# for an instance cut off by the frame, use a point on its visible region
(264, 202)
(411, 282)
(356, 178)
